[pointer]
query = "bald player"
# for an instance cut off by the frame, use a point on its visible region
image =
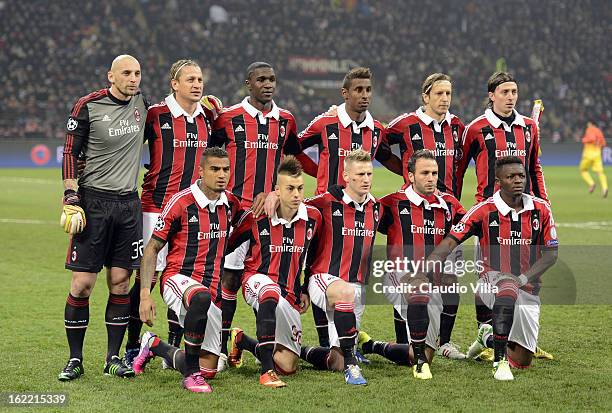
(101, 209)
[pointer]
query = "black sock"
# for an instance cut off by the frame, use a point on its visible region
(503, 316)
(116, 317)
(175, 331)
(76, 320)
(450, 305)
(346, 326)
(196, 319)
(418, 323)
(134, 325)
(244, 342)
(397, 353)
(401, 332)
(317, 356)
(174, 356)
(321, 324)
(266, 330)
(228, 309)
(484, 315)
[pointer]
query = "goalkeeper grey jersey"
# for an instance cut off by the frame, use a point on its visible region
(110, 133)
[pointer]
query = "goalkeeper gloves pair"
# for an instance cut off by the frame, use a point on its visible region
(73, 217)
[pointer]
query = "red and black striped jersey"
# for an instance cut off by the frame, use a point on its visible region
(255, 143)
(335, 137)
(488, 138)
(510, 241)
(416, 130)
(343, 246)
(415, 224)
(277, 248)
(196, 230)
(176, 142)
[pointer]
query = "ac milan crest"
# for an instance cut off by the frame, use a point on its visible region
(536, 224)
(137, 115)
(527, 136)
(282, 131)
(309, 234)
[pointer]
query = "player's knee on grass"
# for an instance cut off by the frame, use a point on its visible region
(336, 360)
(197, 299)
(340, 291)
(82, 284)
(118, 280)
(231, 279)
(518, 356)
(208, 364)
(285, 360)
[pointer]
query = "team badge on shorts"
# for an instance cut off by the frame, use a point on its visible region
(72, 124)
(159, 225)
(137, 115)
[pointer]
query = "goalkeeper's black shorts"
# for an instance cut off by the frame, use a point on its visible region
(112, 236)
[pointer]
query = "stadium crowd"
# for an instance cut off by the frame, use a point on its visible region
(53, 51)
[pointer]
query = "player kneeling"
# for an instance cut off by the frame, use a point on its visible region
(277, 247)
(195, 223)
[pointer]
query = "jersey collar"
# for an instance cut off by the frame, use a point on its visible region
(177, 111)
(502, 207)
(203, 201)
(428, 120)
(302, 213)
(497, 122)
(256, 113)
(350, 201)
(346, 120)
(418, 199)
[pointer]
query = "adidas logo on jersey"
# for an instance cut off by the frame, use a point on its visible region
(166, 126)
(239, 129)
(489, 137)
(332, 136)
(337, 213)
(405, 212)
(264, 232)
(193, 219)
(416, 137)
(494, 224)
(106, 118)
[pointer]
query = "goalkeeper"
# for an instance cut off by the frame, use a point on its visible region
(102, 211)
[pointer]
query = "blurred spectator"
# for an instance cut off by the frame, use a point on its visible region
(53, 52)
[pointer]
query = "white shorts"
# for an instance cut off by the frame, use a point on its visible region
(526, 323)
(149, 219)
(173, 290)
(235, 260)
(434, 309)
(317, 288)
(288, 331)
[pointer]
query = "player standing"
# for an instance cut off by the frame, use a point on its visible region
(416, 219)
(177, 130)
(339, 265)
(271, 284)
(518, 241)
(102, 210)
(593, 141)
(500, 132)
(256, 133)
(195, 224)
(432, 127)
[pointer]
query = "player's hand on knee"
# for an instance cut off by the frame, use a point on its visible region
(73, 217)
(147, 310)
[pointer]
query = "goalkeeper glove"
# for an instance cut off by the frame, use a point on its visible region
(73, 217)
(212, 104)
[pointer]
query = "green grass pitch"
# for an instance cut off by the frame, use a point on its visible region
(33, 348)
